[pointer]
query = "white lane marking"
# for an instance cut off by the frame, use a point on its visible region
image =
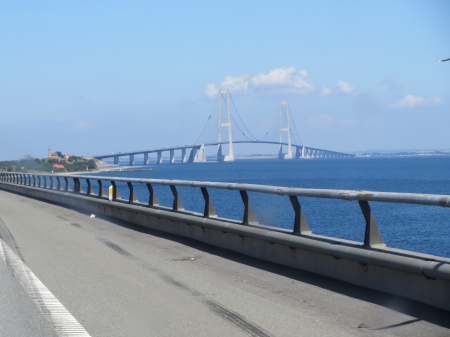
(59, 317)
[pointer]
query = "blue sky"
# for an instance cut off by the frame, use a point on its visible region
(106, 76)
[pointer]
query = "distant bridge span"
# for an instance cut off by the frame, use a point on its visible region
(197, 152)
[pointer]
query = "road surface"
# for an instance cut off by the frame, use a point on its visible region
(65, 273)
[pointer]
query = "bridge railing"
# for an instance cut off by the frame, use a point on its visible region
(372, 236)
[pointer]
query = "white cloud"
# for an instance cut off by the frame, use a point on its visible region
(411, 101)
(325, 91)
(238, 83)
(82, 126)
(285, 78)
(345, 87)
(211, 90)
(278, 77)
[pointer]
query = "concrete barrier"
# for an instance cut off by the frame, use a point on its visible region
(421, 277)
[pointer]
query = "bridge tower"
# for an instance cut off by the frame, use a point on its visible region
(230, 157)
(284, 110)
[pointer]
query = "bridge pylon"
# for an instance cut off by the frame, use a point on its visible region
(220, 156)
(286, 111)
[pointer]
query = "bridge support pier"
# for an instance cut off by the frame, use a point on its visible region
(116, 160)
(184, 158)
(220, 156)
(201, 156)
(159, 158)
(172, 156)
(146, 161)
(192, 155)
(131, 161)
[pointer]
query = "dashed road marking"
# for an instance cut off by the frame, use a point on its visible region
(59, 317)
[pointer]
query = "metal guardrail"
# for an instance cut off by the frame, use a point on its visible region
(403, 267)
(371, 252)
(372, 235)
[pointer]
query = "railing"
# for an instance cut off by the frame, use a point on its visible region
(372, 237)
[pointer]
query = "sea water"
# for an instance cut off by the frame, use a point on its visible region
(412, 227)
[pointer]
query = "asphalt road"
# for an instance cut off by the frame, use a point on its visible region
(64, 273)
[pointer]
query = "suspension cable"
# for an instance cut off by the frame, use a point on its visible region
(295, 127)
(242, 120)
(209, 118)
(241, 130)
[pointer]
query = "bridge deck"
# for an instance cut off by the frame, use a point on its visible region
(117, 280)
(197, 146)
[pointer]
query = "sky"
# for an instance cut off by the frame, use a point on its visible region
(95, 77)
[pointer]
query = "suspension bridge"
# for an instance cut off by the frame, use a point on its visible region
(195, 153)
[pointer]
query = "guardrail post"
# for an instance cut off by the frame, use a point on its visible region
(177, 204)
(116, 194)
(101, 190)
(67, 187)
(152, 201)
(20, 180)
(89, 187)
(77, 186)
(132, 198)
(51, 182)
(34, 180)
(58, 184)
(300, 224)
(209, 211)
(45, 181)
(372, 236)
(249, 215)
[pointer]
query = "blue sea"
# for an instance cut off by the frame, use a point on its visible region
(411, 227)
